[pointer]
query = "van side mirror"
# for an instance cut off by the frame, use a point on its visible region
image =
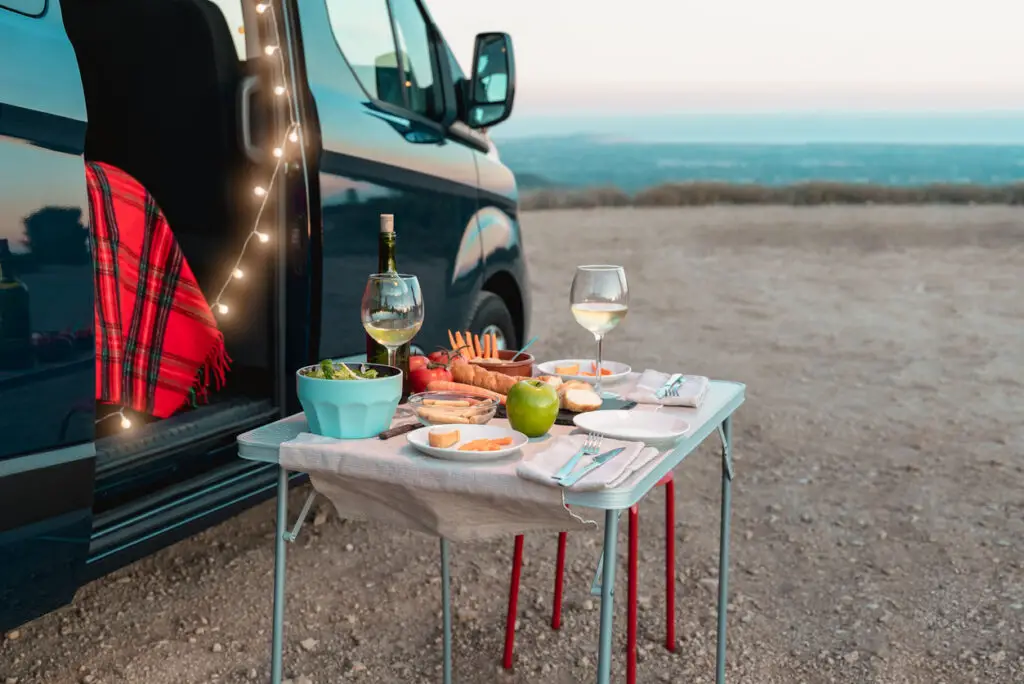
(492, 86)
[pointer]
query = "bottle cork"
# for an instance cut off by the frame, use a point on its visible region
(387, 223)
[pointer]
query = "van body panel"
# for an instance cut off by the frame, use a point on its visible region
(379, 159)
(47, 459)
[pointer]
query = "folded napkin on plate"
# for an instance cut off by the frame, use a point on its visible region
(542, 465)
(691, 391)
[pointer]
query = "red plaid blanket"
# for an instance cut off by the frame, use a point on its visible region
(156, 339)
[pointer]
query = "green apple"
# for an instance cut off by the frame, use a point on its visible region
(532, 407)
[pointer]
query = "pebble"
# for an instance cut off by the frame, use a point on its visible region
(309, 644)
(14, 635)
(349, 547)
(588, 605)
(217, 648)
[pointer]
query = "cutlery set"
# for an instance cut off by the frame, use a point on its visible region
(671, 386)
(568, 474)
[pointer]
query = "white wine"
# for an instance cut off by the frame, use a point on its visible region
(599, 317)
(392, 332)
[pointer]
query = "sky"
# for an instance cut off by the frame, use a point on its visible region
(752, 55)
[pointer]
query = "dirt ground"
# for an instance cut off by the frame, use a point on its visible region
(878, 507)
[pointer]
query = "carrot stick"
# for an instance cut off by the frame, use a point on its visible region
(477, 347)
(487, 347)
(494, 346)
(452, 340)
(448, 386)
(460, 347)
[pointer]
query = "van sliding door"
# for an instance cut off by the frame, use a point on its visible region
(47, 360)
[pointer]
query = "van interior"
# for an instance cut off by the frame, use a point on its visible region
(163, 81)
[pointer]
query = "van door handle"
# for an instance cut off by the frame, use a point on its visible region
(248, 86)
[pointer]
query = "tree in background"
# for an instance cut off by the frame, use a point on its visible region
(57, 236)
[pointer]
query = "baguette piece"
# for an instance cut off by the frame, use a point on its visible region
(472, 374)
(553, 380)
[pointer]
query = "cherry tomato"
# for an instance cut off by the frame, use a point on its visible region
(421, 377)
(417, 362)
(440, 356)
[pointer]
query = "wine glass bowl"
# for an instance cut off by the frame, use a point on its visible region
(392, 310)
(599, 299)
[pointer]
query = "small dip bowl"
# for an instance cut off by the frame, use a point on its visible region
(452, 408)
(350, 409)
(520, 368)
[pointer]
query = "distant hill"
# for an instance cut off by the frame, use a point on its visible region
(533, 181)
(581, 162)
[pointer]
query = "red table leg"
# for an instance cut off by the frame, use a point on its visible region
(556, 611)
(634, 570)
(513, 600)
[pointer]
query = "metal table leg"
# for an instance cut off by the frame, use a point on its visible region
(725, 431)
(277, 637)
(604, 651)
(446, 611)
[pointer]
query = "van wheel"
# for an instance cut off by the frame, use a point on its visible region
(491, 316)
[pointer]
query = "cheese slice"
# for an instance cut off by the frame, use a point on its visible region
(443, 439)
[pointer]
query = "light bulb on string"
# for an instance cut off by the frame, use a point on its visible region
(262, 237)
(270, 50)
(237, 274)
(294, 136)
(280, 90)
(259, 191)
(222, 308)
(278, 152)
(126, 423)
(261, 8)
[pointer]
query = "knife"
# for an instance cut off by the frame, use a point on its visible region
(663, 390)
(599, 460)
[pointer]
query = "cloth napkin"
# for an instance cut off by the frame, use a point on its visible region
(542, 465)
(692, 390)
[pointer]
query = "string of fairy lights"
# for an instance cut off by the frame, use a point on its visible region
(263, 193)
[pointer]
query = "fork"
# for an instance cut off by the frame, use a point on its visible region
(673, 391)
(591, 445)
(669, 384)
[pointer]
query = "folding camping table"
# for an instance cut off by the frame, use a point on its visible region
(714, 416)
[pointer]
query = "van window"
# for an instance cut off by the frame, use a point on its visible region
(418, 58)
(362, 29)
(33, 8)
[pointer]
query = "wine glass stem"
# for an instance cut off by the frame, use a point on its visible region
(597, 374)
(392, 356)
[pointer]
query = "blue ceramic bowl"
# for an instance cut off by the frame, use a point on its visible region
(350, 409)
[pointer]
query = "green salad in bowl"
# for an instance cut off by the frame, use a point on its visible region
(349, 410)
(328, 370)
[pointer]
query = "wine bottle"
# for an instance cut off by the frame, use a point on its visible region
(15, 321)
(386, 263)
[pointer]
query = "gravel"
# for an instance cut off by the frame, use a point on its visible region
(878, 517)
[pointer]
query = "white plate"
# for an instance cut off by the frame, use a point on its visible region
(634, 426)
(619, 370)
(467, 433)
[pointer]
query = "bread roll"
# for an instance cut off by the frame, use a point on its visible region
(579, 400)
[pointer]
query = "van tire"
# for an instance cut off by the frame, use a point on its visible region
(490, 311)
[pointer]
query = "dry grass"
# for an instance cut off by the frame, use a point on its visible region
(803, 194)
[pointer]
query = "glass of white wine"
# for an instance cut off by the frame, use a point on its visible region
(599, 299)
(392, 310)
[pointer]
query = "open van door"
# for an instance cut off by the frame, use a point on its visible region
(47, 357)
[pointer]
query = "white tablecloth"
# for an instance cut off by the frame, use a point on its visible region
(391, 482)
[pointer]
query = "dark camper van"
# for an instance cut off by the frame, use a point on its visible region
(190, 98)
